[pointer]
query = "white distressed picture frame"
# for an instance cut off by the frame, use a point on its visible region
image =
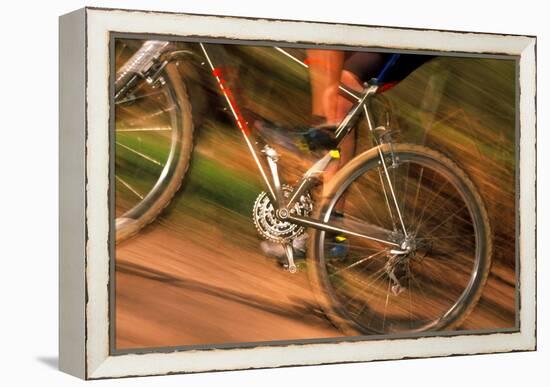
(84, 192)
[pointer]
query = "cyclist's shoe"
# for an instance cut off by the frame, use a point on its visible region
(275, 134)
(277, 251)
(339, 247)
(321, 137)
(339, 244)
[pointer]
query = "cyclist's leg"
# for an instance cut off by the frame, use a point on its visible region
(325, 67)
(326, 74)
(358, 68)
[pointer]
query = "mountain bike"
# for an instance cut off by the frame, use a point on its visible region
(417, 231)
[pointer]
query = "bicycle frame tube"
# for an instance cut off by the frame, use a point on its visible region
(351, 94)
(309, 178)
(241, 123)
(324, 226)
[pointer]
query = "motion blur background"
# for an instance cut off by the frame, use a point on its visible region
(29, 198)
(196, 274)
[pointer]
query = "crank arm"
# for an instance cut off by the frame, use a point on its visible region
(291, 266)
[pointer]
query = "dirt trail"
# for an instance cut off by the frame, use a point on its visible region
(219, 289)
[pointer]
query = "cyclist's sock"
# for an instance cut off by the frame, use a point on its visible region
(318, 120)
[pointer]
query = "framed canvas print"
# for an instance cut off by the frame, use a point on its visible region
(244, 193)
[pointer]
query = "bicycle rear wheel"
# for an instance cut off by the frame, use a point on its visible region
(153, 145)
(435, 276)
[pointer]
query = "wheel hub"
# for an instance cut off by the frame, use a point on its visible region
(408, 245)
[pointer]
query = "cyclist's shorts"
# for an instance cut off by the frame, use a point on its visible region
(368, 65)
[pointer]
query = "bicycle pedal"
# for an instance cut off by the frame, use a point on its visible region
(291, 269)
(397, 289)
(298, 267)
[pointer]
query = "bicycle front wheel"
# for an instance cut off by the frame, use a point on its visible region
(432, 275)
(153, 144)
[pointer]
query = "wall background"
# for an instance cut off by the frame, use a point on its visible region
(28, 194)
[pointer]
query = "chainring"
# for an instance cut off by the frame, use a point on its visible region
(267, 223)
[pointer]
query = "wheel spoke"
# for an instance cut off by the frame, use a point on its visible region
(417, 192)
(130, 188)
(378, 274)
(435, 212)
(360, 261)
(140, 154)
(138, 97)
(405, 190)
(151, 129)
(446, 220)
(367, 203)
(428, 205)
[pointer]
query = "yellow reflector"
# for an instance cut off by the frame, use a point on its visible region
(335, 154)
(340, 238)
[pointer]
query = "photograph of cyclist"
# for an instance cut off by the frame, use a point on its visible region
(267, 194)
